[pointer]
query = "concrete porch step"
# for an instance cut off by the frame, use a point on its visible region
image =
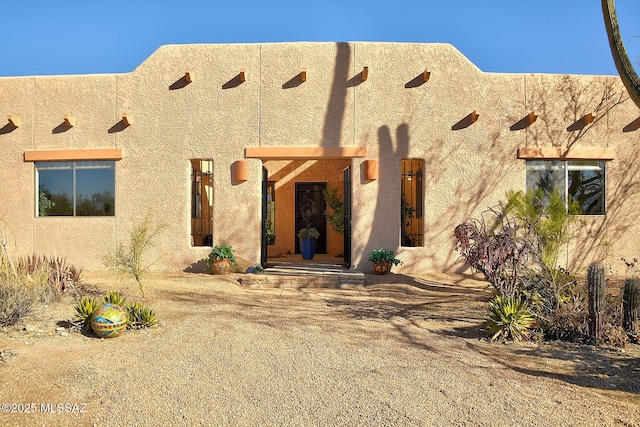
(296, 275)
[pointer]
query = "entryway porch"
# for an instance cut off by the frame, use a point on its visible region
(292, 272)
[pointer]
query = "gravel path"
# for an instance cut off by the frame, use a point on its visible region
(390, 355)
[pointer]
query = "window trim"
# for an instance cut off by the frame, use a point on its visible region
(114, 154)
(73, 169)
(564, 188)
(579, 153)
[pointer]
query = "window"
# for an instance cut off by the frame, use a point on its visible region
(580, 181)
(201, 202)
(84, 188)
(411, 216)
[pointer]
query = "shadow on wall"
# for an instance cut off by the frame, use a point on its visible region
(598, 98)
(470, 197)
(334, 118)
(384, 228)
(476, 185)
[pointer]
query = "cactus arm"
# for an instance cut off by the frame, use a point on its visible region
(620, 57)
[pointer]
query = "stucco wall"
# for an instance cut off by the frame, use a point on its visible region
(468, 166)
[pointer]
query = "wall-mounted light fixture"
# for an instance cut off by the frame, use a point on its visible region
(371, 169)
(365, 73)
(13, 120)
(126, 119)
(241, 171)
(69, 120)
(531, 118)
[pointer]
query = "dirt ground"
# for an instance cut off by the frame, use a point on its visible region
(53, 375)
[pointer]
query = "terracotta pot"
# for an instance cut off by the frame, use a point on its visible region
(382, 267)
(221, 266)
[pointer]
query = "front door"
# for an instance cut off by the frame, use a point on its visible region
(310, 207)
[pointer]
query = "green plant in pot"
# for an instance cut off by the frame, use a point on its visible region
(220, 259)
(308, 237)
(383, 260)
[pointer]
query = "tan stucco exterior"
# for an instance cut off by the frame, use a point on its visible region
(392, 115)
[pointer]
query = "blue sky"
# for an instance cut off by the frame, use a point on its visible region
(46, 37)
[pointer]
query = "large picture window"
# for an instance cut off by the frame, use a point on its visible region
(84, 188)
(580, 181)
(412, 219)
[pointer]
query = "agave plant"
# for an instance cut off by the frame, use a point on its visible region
(115, 297)
(84, 310)
(509, 318)
(141, 316)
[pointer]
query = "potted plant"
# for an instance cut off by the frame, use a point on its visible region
(308, 238)
(271, 238)
(383, 260)
(220, 259)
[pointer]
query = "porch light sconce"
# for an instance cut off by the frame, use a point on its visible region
(187, 76)
(425, 76)
(531, 118)
(371, 170)
(240, 171)
(126, 119)
(13, 120)
(588, 118)
(303, 76)
(241, 76)
(365, 73)
(474, 116)
(69, 120)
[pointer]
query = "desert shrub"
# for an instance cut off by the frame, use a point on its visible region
(114, 297)
(30, 280)
(568, 319)
(614, 335)
(15, 301)
(138, 315)
(84, 310)
(500, 249)
(509, 318)
(517, 247)
(54, 272)
(553, 225)
(129, 258)
(336, 215)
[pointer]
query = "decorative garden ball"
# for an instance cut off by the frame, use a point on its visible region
(109, 320)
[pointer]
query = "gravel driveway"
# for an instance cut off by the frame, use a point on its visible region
(396, 353)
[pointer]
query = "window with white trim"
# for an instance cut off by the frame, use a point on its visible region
(580, 181)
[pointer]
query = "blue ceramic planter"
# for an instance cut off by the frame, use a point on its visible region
(307, 248)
